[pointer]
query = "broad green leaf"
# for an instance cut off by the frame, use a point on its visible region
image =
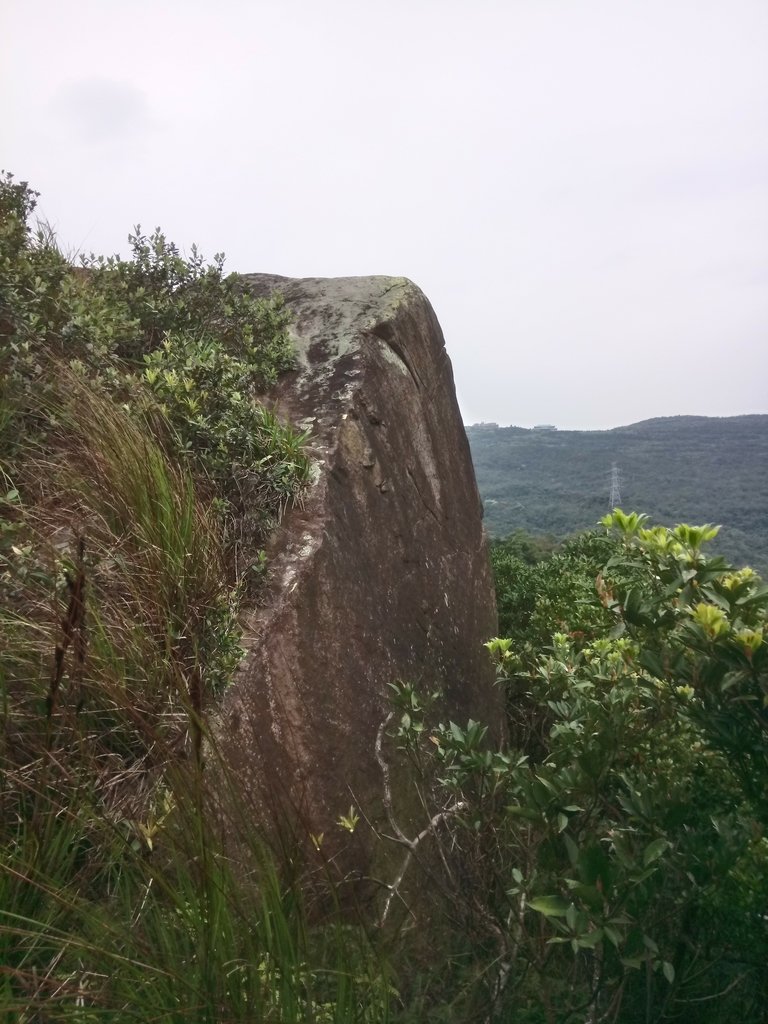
(550, 906)
(649, 943)
(635, 962)
(529, 813)
(540, 793)
(591, 939)
(572, 848)
(612, 935)
(547, 782)
(590, 895)
(654, 850)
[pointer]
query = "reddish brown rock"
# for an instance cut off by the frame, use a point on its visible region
(383, 574)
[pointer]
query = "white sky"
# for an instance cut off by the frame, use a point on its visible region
(579, 186)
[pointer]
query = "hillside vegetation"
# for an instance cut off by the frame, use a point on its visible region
(611, 861)
(676, 469)
(607, 863)
(139, 474)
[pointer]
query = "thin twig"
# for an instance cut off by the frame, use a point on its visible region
(400, 836)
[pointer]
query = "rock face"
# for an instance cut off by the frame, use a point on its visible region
(383, 574)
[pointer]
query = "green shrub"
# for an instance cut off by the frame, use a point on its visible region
(183, 347)
(612, 864)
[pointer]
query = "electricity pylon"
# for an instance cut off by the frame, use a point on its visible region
(615, 499)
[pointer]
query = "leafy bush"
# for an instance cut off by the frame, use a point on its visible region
(612, 864)
(554, 590)
(183, 347)
(139, 474)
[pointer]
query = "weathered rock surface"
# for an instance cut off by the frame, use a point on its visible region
(383, 573)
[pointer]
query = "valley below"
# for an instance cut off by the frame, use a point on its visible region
(692, 469)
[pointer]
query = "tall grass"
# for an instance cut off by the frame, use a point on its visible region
(138, 476)
(118, 896)
(113, 931)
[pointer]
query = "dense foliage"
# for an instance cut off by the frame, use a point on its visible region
(553, 588)
(182, 347)
(606, 862)
(134, 453)
(679, 469)
(138, 475)
(611, 862)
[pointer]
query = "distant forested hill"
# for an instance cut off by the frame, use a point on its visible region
(693, 469)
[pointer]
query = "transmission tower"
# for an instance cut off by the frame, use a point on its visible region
(615, 499)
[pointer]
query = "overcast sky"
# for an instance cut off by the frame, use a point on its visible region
(579, 186)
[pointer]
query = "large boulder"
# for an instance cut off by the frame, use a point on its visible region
(382, 573)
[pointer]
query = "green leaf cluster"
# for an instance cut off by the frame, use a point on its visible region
(618, 845)
(176, 341)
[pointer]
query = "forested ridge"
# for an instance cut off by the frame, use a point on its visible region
(676, 469)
